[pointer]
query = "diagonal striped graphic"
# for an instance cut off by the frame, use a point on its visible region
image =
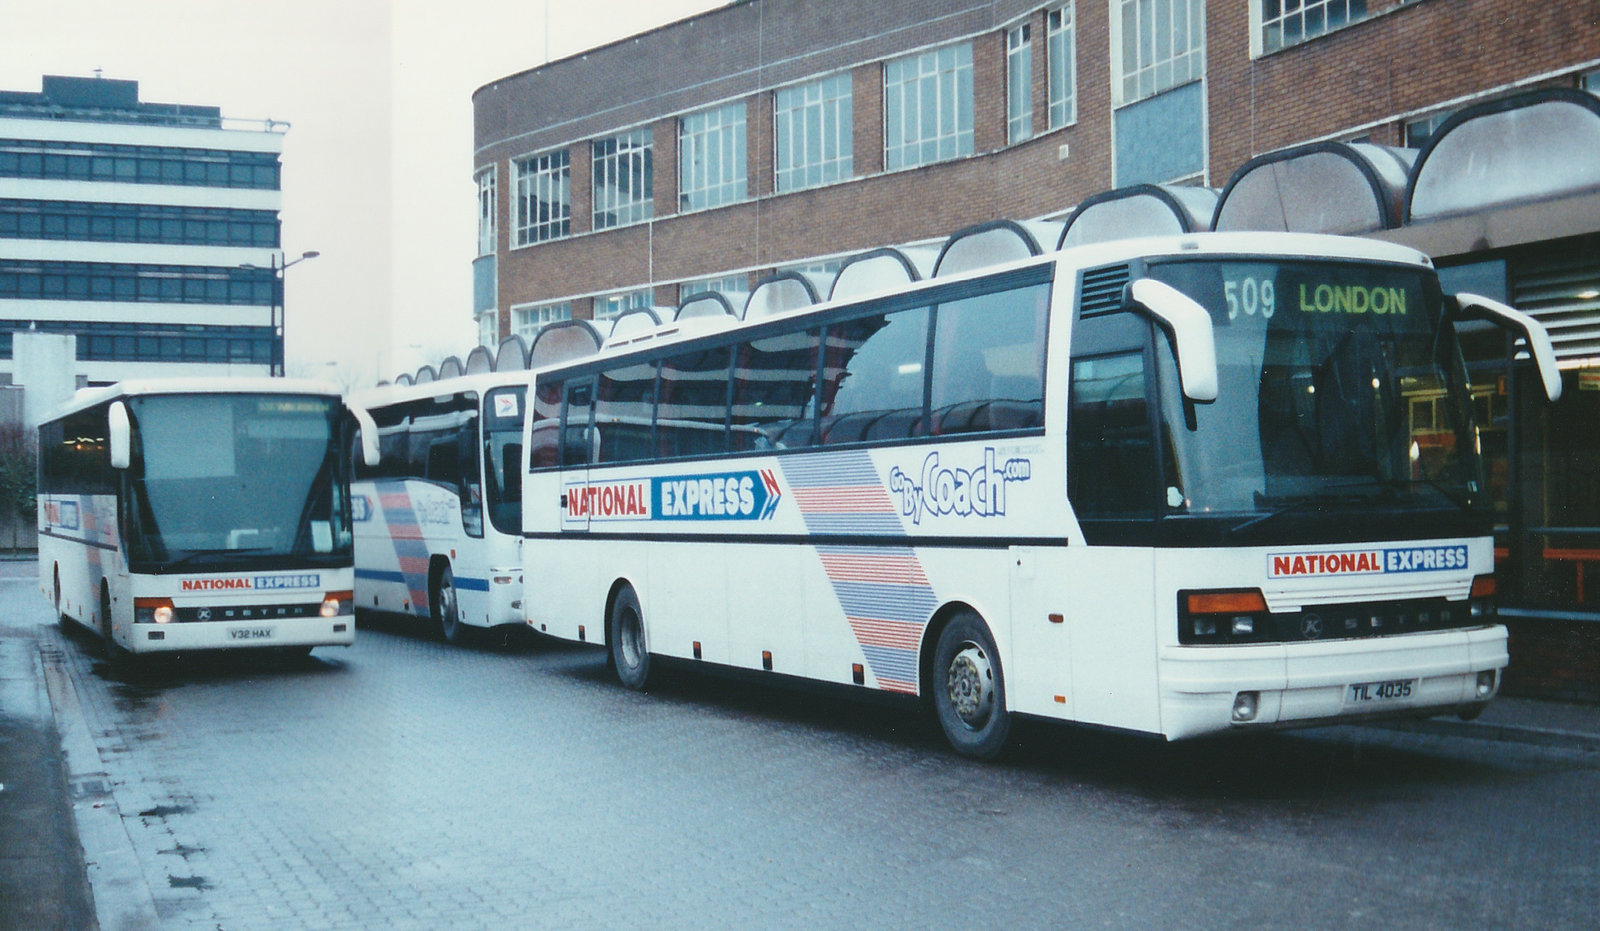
(882, 590)
(406, 533)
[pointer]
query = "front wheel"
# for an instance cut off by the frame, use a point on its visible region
(969, 694)
(629, 653)
(446, 607)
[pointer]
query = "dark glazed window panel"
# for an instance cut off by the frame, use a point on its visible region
(988, 362)
(1111, 465)
(774, 386)
(873, 369)
(692, 405)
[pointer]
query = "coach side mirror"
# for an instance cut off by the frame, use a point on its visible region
(119, 435)
(1478, 307)
(1187, 325)
(370, 456)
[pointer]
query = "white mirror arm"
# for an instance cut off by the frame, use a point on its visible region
(369, 434)
(1189, 325)
(1531, 330)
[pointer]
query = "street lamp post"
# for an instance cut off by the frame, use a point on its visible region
(278, 267)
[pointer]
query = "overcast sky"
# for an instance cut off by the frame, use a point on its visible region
(377, 164)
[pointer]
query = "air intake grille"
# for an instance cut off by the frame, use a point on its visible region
(1101, 291)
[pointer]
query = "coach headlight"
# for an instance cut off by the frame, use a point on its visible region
(153, 611)
(337, 603)
(1238, 616)
(1482, 600)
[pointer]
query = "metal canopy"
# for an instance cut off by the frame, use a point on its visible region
(882, 270)
(1324, 187)
(1140, 210)
(479, 360)
(778, 293)
(705, 304)
(563, 340)
(995, 242)
(512, 355)
(1540, 145)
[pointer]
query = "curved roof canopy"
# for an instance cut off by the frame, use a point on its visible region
(995, 242)
(1324, 187)
(566, 339)
(451, 368)
(631, 323)
(512, 355)
(881, 270)
(778, 293)
(706, 304)
(1140, 210)
(424, 375)
(479, 360)
(1533, 146)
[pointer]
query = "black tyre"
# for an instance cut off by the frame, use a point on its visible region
(629, 652)
(115, 653)
(446, 607)
(969, 694)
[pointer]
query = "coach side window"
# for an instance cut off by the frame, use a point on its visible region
(988, 362)
(774, 382)
(624, 407)
(872, 375)
(692, 403)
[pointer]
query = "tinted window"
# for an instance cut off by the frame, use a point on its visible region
(872, 380)
(692, 409)
(988, 362)
(774, 385)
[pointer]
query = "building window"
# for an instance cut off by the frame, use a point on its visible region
(1019, 84)
(133, 164)
(1591, 82)
(486, 212)
(82, 221)
(1286, 22)
(624, 181)
(1061, 41)
(1159, 44)
(489, 328)
(527, 321)
(927, 107)
(812, 134)
(711, 158)
(1418, 132)
(727, 284)
(544, 197)
(607, 306)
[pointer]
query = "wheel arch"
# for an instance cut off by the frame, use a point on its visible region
(617, 586)
(437, 563)
(930, 640)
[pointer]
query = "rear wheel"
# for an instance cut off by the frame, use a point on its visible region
(446, 609)
(629, 652)
(969, 694)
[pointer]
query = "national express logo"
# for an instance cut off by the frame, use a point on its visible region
(749, 495)
(1368, 561)
(941, 491)
(260, 583)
